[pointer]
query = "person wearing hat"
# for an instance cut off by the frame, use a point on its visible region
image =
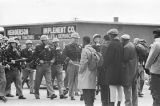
(2, 75)
(13, 74)
(153, 64)
(130, 70)
(27, 71)
(57, 68)
(72, 53)
(102, 82)
(113, 58)
(44, 57)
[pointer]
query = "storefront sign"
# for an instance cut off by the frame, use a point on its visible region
(62, 32)
(17, 32)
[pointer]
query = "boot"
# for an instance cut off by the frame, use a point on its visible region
(111, 104)
(119, 103)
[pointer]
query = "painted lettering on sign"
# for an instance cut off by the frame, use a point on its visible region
(17, 32)
(59, 29)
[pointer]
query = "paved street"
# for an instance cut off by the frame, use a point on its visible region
(31, 101)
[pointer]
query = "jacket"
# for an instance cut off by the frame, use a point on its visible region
(72, 52)
(130, 64)
(101, 72)
(86, 78)
(43, 52)
(27, 53)
(113, 59)
(153, 60)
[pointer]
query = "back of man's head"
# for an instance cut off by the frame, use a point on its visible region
(86, 39)
(156, 33)
(106, 37)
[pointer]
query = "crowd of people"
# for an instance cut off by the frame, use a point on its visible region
(111, 65)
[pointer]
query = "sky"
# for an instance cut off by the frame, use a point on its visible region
(41, 11)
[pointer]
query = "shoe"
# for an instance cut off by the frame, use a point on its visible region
(3, 99)
(31, 92)
(53, 96)
(63, 97)
(9, 95)
(21, 97)
(72, 98)
(37, 96)
(65, 92)
(76, 94)
(140, 95)
(17, 94)
(81, 98)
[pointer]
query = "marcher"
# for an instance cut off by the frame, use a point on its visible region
(87, 77)
(142, 52)
(153, 64)
(102, 81)
(113, 59)
(28, 72)
(44, 55)
(2, 74)
(130, 71)
(72, 53)
(13, 57)
(57, 68)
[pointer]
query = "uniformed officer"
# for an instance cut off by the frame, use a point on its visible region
(13, 74)
(57, 68)
(72, 52)
(28, 72)
(2, 75)
(45, 55)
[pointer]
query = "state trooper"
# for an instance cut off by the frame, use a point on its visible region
(2, 74)
(13, 57)
(44, 55)
(57, 68)
(28, 72)
(72, 52)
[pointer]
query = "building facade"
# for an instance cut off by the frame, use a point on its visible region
(63, 30)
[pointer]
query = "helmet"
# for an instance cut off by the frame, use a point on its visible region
(44, 37)
(16, 38)
(96, 36)
(12, 40)
(75, 35)
(5, 38)
(29, 42)
(1, 36)
(55, 40)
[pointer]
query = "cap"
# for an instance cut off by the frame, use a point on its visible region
(29, 42)
(136, 40)
(55, 40)
(44, 37)
(75, 35)
(156, 31)
(113, 32)
(96, 36)
(125, 36)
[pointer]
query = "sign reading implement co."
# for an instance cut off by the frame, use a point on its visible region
(60, 31)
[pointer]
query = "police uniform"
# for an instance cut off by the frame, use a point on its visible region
(13, 74)
(73, 54)
(2, 75)
(57, 69)
(46, 54)
(28, 72)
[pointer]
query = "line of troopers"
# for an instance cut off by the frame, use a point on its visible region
(12, 59)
